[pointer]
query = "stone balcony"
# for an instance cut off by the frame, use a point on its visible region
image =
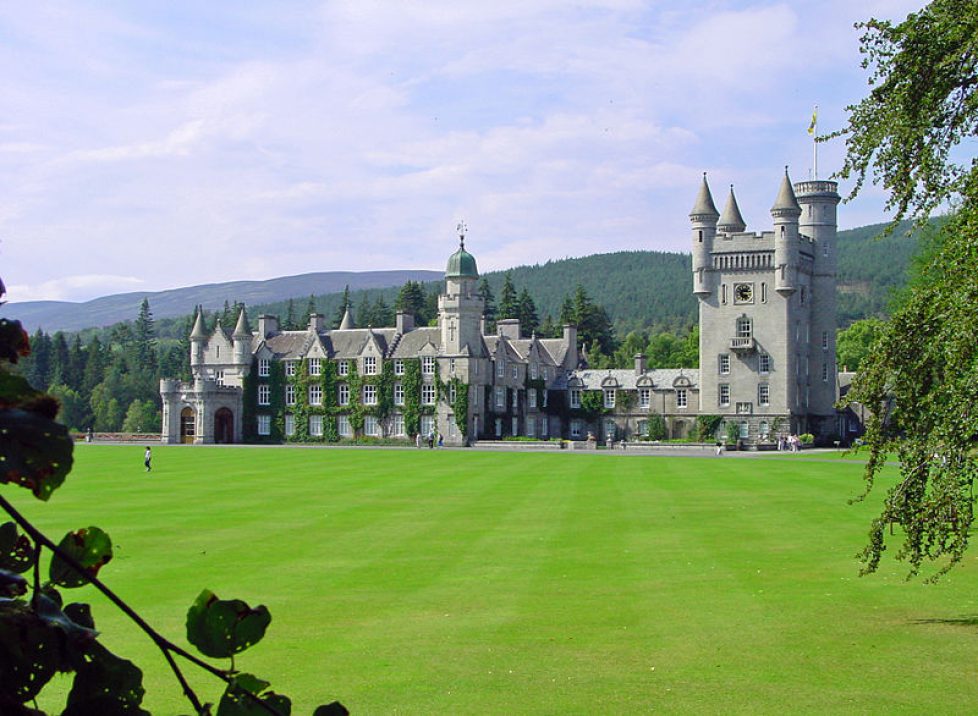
(742, 345)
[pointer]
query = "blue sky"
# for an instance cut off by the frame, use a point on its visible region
(153, 145)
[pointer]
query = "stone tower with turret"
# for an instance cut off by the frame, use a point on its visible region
(767, 311)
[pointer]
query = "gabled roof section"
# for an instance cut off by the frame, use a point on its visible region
(349, 344)
(556, 348)
(413, 342)
(289, 345)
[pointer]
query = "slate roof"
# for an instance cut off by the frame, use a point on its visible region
(347, 344)
(411, 343)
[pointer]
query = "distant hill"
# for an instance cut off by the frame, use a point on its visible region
(639, 289)
(68, 316)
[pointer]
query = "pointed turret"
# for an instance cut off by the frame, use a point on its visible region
(242, 340)
(241, 328)
(347, 322)
(785, 213)
(786, 204)
(703, 217)
(704, 207)
(731, 221)
(198, 333)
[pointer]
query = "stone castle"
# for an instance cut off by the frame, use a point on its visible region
(767, 357)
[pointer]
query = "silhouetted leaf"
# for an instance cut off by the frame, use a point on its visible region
(220, 628)
(106, 685)
(235, 702)
(333, 709)
(51, 613)
(16, 550)
(31, 652)
(90, 547)
(14, 342)
(80, 614)
(12, 584)
(35, 452)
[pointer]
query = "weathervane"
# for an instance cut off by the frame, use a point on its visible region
(461, 228)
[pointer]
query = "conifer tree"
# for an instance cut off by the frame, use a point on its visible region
(289, 324)
(345, 305)
(490, 305)
(509, 304)
(527, 313)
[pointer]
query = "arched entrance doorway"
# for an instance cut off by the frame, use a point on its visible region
(223, 426)
(188, 423)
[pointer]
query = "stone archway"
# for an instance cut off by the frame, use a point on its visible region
(188, 425)
(223, 426)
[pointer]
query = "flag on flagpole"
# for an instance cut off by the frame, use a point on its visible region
(814, 122)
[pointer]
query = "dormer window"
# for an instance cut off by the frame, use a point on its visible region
(315, 367)
(369, 365)
(343, 368)
(427, 365)
(399, 367)
(263, 367)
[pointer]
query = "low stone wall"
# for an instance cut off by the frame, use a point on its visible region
(148, 438)
(517, 445)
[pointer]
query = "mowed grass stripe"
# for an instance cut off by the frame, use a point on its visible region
(462, 582)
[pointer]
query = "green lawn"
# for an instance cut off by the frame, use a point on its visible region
(460, 582)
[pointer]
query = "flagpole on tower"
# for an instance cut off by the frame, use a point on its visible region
(813, 130)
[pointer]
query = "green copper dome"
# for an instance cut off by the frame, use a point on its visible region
(461, 264)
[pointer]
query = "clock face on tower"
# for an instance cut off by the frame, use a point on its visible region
(744, 293)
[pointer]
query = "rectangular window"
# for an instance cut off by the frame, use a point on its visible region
(764, 394)
(575, 398)
(398, 393)
(516, 371)
(316, 426)
(343, 368)
(343, 394)
(825, 372)
(764, 363)
(744, 430)
(763, 293)
(427, 424)
(530, 429)
(744, 408)
(724, 395)
(575, 428)
(399, 367)
(428, 365)
(724, 363)
(500, 398)
(546, 373)
(609, 398)
(370, 365)
(451, 366)
(744, 329)
(545, 394)
(644, 398)
(398, 426)
(682, 401)
(515, 426)
(371, 426)
(264, 394)
(289, 425)
(370, 395)
(290, 395)
(825, 340)
(219, 378)
(533, 371)
(531, 398)
(343, 426)
(315, 395)
(452, 393)
(263, 367)
(500, 368)
(290, 368)
(723, 293)
(427, 394)
(315, 366)
(264, 424)
(610, 429)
